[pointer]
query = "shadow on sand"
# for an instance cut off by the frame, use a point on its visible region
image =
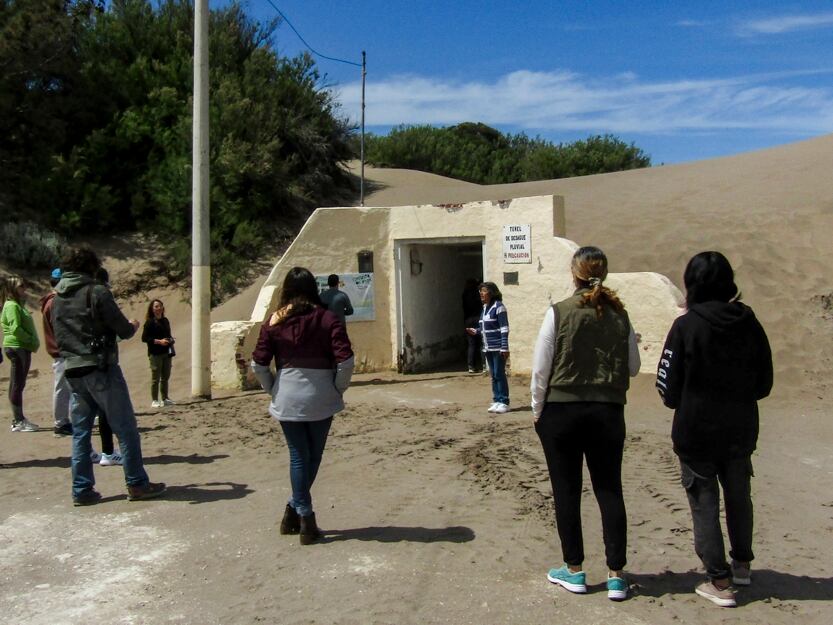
(64, 461)
(396, 534)
(766, 584)
(208, 492)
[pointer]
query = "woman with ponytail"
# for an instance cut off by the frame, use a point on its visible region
(313, 366)
(584, 356)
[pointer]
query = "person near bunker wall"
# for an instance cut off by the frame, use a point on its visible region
(584, 357)
(493, 329)
(715, 365)
(313, 366)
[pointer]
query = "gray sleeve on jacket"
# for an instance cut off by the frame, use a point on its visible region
(109, 315)
(344, 372)
(264, 375)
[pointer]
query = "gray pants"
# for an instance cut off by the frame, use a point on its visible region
(61, 393)
(700, 479)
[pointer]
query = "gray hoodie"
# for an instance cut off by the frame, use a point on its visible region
(83, 313)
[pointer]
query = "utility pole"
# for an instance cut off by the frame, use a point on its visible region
(364, 74)
(200, 239)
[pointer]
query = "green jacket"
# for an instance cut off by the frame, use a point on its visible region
(18, 327)
(591, 354)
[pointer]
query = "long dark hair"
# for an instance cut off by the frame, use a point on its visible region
(299, 295)
(589, 267)
(149, 316)
(709, 277)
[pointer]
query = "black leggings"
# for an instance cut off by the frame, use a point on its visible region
(570, 432)
(20, 360)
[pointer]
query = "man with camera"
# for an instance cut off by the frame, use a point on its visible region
(87, 321)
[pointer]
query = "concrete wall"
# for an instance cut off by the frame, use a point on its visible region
(332, 237)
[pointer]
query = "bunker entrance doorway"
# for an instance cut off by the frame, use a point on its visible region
(430, 277)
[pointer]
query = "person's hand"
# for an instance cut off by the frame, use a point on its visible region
(505, 355)
(135, 323)
(471, 331)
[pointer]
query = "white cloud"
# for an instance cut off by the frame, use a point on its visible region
(785, 23)
(566, 101)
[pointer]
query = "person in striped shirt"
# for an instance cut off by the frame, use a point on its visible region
(493, 327)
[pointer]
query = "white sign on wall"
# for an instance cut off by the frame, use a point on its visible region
(359, 288)
(517, 244)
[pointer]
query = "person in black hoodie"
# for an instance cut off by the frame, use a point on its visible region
(715, 365)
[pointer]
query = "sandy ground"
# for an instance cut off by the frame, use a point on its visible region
(435, 511)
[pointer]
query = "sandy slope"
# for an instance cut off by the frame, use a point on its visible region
(435, 511)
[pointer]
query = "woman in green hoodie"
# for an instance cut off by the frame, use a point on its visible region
(20, 340)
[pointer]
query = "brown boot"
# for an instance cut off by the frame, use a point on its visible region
(291, 522)
(309, 531)
(146, 491)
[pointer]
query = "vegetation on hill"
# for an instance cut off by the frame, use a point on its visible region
(478, 153)
(95, 119)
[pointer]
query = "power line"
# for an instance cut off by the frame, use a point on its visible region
(311, 49)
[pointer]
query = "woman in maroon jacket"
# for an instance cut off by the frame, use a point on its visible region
(314, 362)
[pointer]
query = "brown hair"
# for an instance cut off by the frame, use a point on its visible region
(589, 267)
(149, 315)
(299, 295)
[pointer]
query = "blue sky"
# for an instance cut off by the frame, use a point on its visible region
(682, 80)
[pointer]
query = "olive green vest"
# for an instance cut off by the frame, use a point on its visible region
(591, 354)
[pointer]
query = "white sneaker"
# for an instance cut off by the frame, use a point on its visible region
(24, 425)
(95, 456)
(109, 460)
(168, 402)
(493, 407)
(156, 403)
(500, 408)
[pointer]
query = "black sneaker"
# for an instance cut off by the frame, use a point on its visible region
(146, 491)
(63, 430)
(87, 498)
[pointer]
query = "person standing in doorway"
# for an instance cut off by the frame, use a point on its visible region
(471, 319)
(61, 391)
(20, 341)
(336, 301)
(493, 329)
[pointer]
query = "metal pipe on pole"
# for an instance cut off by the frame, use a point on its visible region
(364, 75)
(200, 241)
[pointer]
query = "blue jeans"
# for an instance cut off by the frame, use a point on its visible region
(497, 370)
(106, 391)
(306, 441)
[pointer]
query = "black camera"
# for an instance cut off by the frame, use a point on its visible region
(99, 347)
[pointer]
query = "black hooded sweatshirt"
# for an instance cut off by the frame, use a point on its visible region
(715, 365)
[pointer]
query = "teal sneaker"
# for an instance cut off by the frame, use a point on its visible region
(617, 589)
(574, 582)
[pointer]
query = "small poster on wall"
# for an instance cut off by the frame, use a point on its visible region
(359, 288)
(517, 244)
